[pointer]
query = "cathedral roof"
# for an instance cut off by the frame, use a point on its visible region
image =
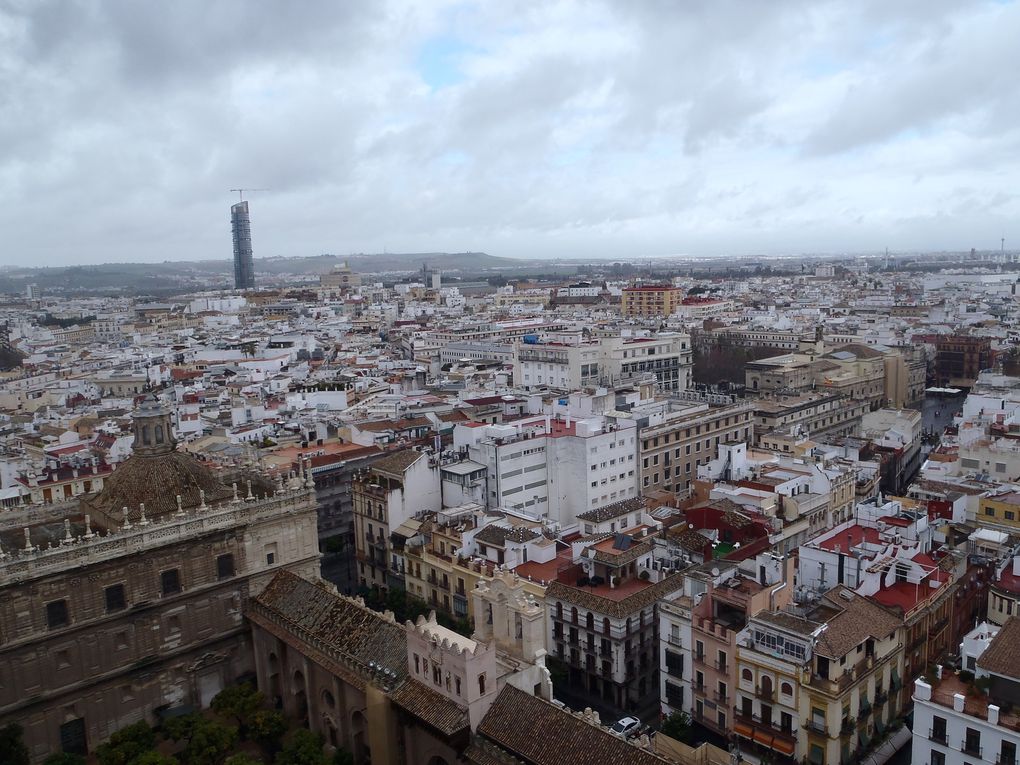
(156, 480)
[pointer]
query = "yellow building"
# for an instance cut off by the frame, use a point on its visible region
(650, 300)
(436, 572)
(1000, 510)
(819, 689)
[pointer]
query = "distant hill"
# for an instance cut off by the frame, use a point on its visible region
(389, 261)
(174, 277)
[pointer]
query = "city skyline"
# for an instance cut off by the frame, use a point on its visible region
(564, 130)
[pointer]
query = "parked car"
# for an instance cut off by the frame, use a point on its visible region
(626, 727)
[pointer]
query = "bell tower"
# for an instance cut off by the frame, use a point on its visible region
(153, 427)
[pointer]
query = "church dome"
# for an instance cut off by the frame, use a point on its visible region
(155, 473)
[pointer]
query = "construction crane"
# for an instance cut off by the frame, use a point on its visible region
(240, 193)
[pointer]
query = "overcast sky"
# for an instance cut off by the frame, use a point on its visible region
(622, 129)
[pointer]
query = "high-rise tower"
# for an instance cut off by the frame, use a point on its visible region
(244, 264)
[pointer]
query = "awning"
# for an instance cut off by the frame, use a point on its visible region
(742, 729)
(763, 737)
(784, 745)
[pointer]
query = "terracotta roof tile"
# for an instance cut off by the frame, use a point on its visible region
(1002, 656)
(538, 732)
(432, 707)
(618, 609)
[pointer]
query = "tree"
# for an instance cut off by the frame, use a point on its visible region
(154, 758)
(127, 745)
(12, 745)
(304, 748)
(343, 757)
(678, 726)
(64, 758)
(243, 758)
(206, 742)
(239, 703)
(268, 728)
(211, 743)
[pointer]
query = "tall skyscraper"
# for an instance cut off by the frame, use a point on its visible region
(244, 263)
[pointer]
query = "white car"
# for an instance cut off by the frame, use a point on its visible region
(626, 726)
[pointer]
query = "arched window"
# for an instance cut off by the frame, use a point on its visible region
(559, 610)
(787, 689)
(605, 626)
(159, 434)
(573, 615)
(146, 436)
(590, 622)
(328, 700)
(481, 684)
(747, 675)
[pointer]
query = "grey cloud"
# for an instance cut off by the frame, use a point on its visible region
(599, 128)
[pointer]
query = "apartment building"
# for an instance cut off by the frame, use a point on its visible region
(774, 650)
(446, 554)
(603, 618)
(857, 674)
(554, 467)
(650, 300)
(570, 361)
(1004, 592)
(721, 611)
(958, 721)
(815, 414)
(677, 437)
(383, 496)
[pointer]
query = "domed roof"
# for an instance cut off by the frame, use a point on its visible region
(156, 480)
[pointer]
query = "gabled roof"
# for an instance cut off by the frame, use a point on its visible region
(859, 618)
(341, 625)
(397, 462)
(1002, 657)
(537, 732)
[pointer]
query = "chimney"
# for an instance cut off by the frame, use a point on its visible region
(993, 714)
(958, 701)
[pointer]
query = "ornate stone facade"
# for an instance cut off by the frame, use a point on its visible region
(112, 622)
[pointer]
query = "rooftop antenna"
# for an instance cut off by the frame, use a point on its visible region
(240, 193)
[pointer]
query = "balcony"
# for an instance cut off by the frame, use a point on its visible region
(971, 748)
(765, 694)
(721, 698)
(1005, 759)
(699, 658)
(818, 726)
(938, 736)
(880, 698)
(865, 708)
(848, 727)
(674, 641)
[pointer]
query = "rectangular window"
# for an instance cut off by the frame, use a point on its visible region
(115, 600)
(225, 566)
(57, 615)
(170, 581)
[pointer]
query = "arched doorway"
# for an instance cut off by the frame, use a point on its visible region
(359, 739)
(275, 692)
(297, 688)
